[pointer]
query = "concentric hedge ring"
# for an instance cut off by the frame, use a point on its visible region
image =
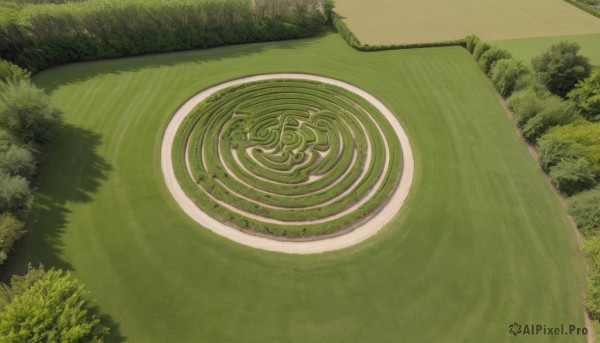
(287, 155)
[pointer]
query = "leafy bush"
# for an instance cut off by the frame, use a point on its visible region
(585, 134)
(553, 149)
(586, 95)
(572, 176)
(479, 49)
(561, 67)
(15, 195)
(52, 308)
(11, 229)
(470, 42)
(554, 111)
(12, 72)
(585, 209)
(28, 113)
(525, 104)
(505, 73)
(491, 56)
(17, 160)
(591, 248)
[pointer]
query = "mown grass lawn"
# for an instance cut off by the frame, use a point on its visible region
(526, 48)
(481, 242)
(379, 22)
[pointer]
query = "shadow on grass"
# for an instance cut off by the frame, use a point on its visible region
(88, 70)
(71, 171)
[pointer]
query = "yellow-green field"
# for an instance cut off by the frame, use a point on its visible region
(378, 22)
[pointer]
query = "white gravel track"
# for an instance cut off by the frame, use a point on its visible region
(359, 234)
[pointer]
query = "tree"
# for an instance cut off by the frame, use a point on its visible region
(470, 42)
(591, 248)
(328, 6)
(491, 56)
(12, 72)
(27, 112)
(11, 229)
(585, 135)
(585, 209)
(17, 160)
(561, 67)
(554, 111)
(553, 149)
(15, 195)
(525, 104)
(479, 48)
(573, 176)
(586, 96)
(54, 308)
(506, 73)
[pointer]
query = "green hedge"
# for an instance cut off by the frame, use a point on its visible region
(39, 36)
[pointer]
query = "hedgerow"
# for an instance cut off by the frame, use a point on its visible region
(39, 36)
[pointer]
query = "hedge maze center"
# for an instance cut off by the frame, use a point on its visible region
(288, 162)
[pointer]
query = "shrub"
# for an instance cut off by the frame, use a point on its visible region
(585, 135)
(585, 209)
(554, 111)
(470, 42)
(491, 56)
(573, 176)
(15, 195)
(553, 149)
(28, 113)
(53, 308)
(505, 73)
(12, 72)
(479, 49)
(11, 229)
(17, 160)
(586, 96)
(524, 104)
(591, 248)
(561, 67)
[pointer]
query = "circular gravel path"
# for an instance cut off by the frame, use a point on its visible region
(328, 243)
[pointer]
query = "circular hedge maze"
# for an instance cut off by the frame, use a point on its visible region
(290, 158)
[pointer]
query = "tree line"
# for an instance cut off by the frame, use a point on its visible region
(38, 36)
(43, 305)
(556, 104)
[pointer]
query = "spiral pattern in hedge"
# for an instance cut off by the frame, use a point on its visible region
(288, 157)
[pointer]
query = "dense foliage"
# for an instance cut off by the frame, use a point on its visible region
(12, 72)
(11, 229)
(561, 67)
(592, 253)
(28, 119)
(48, 307)
(490, 57)
(27, 112)
(585, 209)
(568, 144)
(586, 95)
(505, 74)
(38, 36)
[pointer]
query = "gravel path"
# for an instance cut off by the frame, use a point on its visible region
(359, 234)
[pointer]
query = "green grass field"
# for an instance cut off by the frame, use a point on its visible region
(481, 242)
(410, 21)
(525, 49)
